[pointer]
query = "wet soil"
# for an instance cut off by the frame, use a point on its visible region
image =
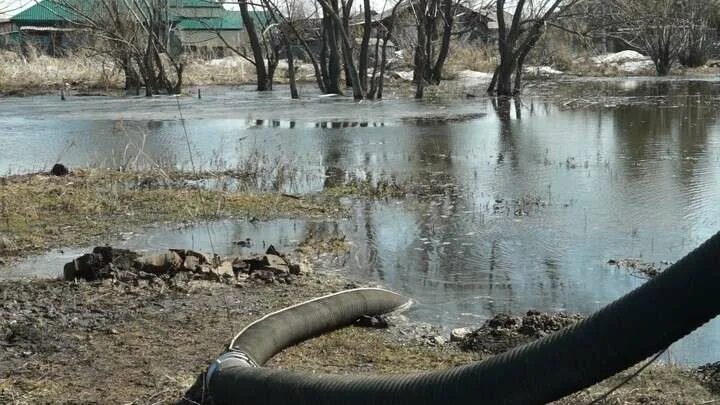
(114, 342)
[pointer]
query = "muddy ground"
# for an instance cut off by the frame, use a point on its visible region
(142, 343)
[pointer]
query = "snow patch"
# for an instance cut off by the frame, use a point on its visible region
(636, 66)
(619, 58)
(403, 75)
(542, 71)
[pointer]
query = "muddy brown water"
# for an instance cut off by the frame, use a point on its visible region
(537, 195)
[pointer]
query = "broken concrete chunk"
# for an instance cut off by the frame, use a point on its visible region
(160, 263)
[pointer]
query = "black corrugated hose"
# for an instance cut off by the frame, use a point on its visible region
(641, 323)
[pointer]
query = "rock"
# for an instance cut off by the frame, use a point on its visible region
(59, 170)
(504, 332)
(201, 257)
(300, 268)
(438, 340)
(240, 266)
(458, 334)
(276, 264)
(6, 244)
(160, 263)
(272, 251)
(89, 267)
(367, 321)
(243, 243)
(709, 375)
(265, 275)
(191, 263)
(254, 262)
(223, 271)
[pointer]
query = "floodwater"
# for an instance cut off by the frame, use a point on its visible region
(537, 194)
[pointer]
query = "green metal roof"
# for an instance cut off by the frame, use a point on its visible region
(61, 11)
(58, 12)
(50, 11)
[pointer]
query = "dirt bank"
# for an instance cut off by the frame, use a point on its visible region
(114, 341)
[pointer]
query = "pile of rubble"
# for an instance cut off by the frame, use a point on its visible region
(504, 332)
(126, 266)
(709, 375)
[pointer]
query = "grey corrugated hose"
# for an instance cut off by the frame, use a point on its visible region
(641, 323)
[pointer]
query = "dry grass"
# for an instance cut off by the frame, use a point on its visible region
(38, 212)
(37, 73)
(471, 57)
(41, 73)
(231, 71)
(658, 384)
(368, 351)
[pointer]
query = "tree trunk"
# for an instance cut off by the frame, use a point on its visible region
(420, 62)
(333, 85)
(346, 10)
(260, 72)
(383, 63)
(421, 56)
(535, 34)
(373, 81)
(363, 62)
(291, 68)
(324, 59)
(449, 12)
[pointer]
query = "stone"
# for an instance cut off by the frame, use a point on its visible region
(272, 251)
(243, 243)
(201, 257)
(160, 263)
(191, 263)
(240, 266)
(89, 267)
(458, 334)
(367, 321)
(265, 275)
(300, 268)
(438, 340)
(255, 262)
(6, 244)
(276, 264)
(59, 169)
(224, 270)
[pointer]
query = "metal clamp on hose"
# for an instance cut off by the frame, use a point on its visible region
(232, 357)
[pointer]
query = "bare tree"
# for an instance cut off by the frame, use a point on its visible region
(429, 57)
(136, 33)
(517, 37)
(655, 27)
(665, 30)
